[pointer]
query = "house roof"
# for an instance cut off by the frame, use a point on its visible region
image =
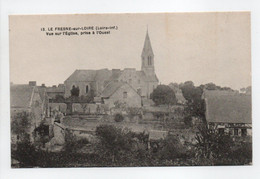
(111, 88)
(59, 89)
(21, 95)
(227, 107)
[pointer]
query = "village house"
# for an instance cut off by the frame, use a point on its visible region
(141, 83)
(26, 99)
(121, 92)
(228, 112)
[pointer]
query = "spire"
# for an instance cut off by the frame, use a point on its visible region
(147, 49)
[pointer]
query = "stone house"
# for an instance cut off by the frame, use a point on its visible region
(228, 112)
(26, 99)
(120, 92)
(143, 81)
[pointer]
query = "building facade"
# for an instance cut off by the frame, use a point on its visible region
(143, 81)
(26, 100)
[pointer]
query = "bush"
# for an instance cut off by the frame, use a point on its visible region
(72, 143)
(119, 117)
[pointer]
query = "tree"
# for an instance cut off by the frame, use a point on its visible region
(171, 148)
(211, 144)
(121, 147)
(114, 142)
(89, 98)
(163, 94)
(174, 86)
(20, 125)
(59, 98)
(74, 91)
(195, 105)
(119, 117)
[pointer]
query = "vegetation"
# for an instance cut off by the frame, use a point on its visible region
(119, 117)
(122, 147)
(163, 94)
(75, 91)
(20, 124)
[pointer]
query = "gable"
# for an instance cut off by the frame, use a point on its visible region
(21, 95)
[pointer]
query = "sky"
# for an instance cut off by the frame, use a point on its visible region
(201, 47)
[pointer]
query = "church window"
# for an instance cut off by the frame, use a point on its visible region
(149, 60)
(87, 89)
(125, 94)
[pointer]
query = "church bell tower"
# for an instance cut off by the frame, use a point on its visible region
(148, 57)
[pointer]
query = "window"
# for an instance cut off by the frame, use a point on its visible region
(243, 132)
(125, 95)
(139, 81)
(221, 130)
(149, 60)
(87, 89)
(235, 131)
(130, 81)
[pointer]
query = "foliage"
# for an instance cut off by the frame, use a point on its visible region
(119, 117)
(20, 124)
(195, 105)
(120, 105)
(25, 154)
(163, 94)
(89, 98)
(134, 111)
(74, 91)
(213, 145)
(120, 146)
(72, 144)
(59, 99)
(171, 148)
(43, 132)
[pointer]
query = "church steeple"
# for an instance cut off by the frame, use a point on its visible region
(147, 49)
(147, 56)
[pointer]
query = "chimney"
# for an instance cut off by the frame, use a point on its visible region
(32, 83)
(43, 85)
(115, 71)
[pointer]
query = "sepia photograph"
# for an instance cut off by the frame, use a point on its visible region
(130, 90)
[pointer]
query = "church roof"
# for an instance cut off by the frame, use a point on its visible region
(21, 95)
(111, 88)
(147, 49)
(227, 107)
(89, 75)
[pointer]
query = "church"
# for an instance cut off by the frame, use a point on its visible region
(118, 84)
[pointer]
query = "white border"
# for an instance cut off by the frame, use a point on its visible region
(130, 6)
